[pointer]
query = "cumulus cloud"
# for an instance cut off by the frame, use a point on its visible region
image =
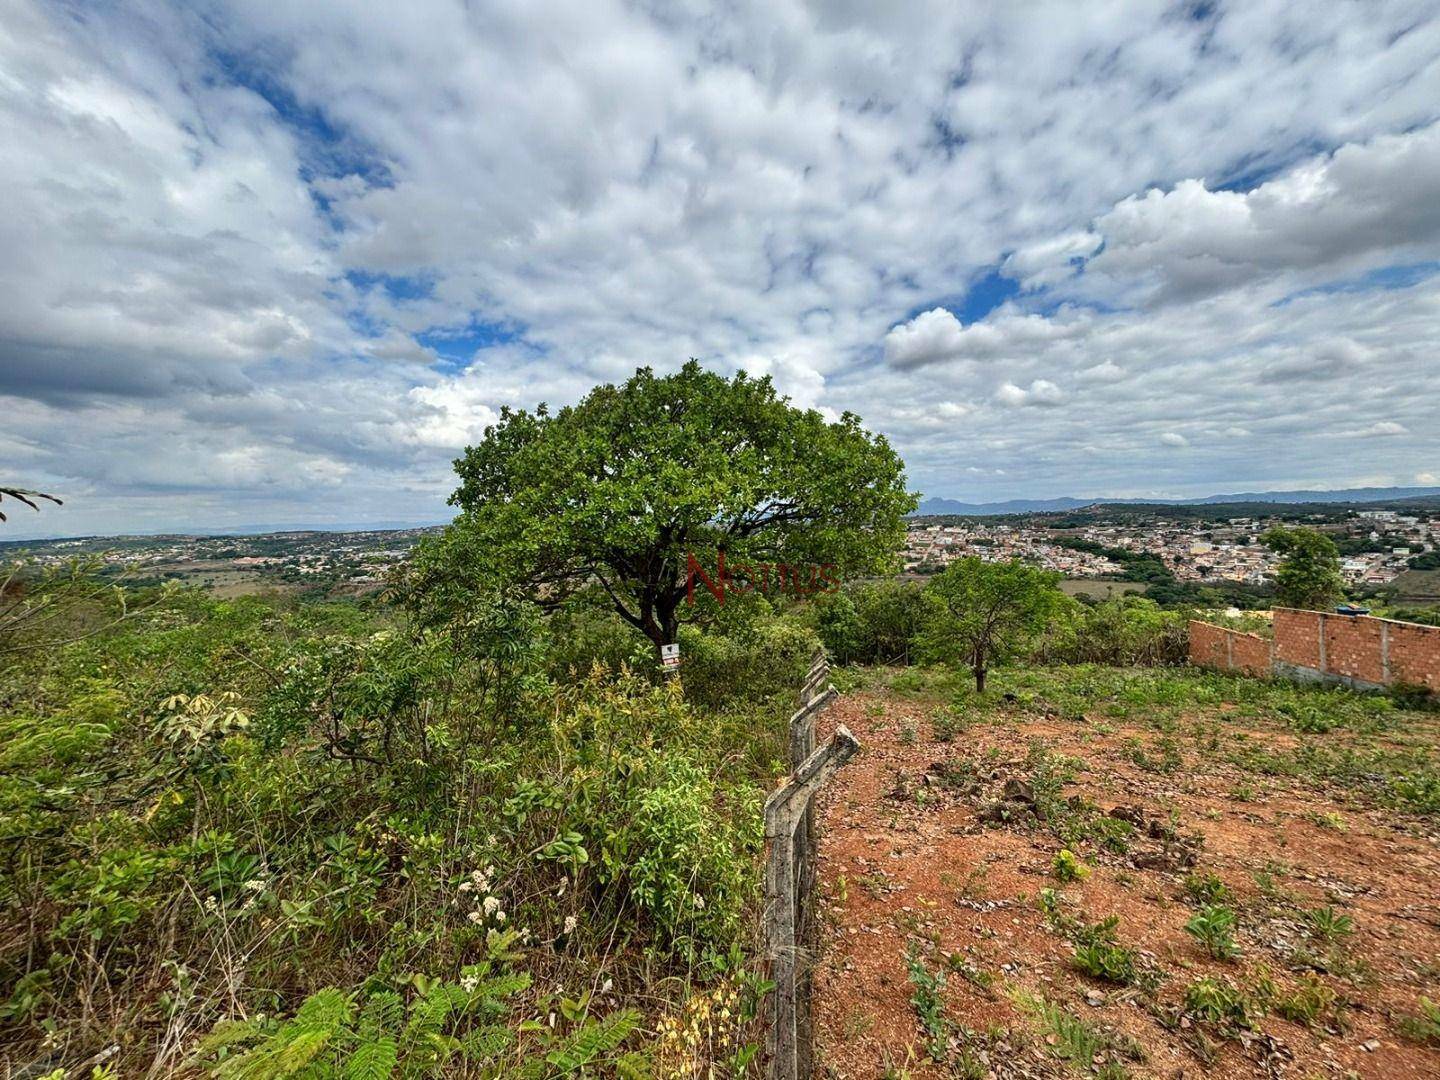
(937, 335)
(279, 262)
(1041, 392)
(1364, 205)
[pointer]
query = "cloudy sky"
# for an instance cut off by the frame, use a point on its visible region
(275, 263)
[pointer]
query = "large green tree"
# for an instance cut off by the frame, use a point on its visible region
(1309, 574)
(983, 612)
(622, 489)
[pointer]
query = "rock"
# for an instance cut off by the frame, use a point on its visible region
(1094, 998)
(1133, 814)
(1159, 830)
(1003, 812)
(1370, 1045)
(1017, 790)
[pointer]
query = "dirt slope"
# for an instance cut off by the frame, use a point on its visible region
(909, 868)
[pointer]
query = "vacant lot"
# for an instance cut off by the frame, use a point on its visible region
(1109, 872)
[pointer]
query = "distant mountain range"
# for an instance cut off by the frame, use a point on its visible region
(1042, 506)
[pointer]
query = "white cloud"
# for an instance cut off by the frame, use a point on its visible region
(1366, 205)
(1105, 372)
(269, 261)
(1171, 438)
(1041, 392)
(1380, 429)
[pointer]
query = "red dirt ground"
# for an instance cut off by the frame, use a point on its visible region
(899, 869)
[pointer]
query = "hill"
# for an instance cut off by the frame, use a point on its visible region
(1400, 496)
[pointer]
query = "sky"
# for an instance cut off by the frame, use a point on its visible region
(273, 264)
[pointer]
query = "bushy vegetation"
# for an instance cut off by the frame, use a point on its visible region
(905, 622)
(267, 839)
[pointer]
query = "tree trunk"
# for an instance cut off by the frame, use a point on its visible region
(979, 679)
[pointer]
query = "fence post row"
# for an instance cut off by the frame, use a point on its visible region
(790, 924)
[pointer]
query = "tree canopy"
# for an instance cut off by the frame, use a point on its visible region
(984, 612)
(1309, 574)
(623, 488)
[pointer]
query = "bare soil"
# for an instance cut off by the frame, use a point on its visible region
(907, 864)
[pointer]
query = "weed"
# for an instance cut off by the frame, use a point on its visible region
(976, 976)
(1307, 1003)
(1328, 925)
(1218, 1001)
(928, 1002)
(1082, 1044)
(1212, 926)
(1423, 1027)
(1206, 888)
(1110, 962)
(1066, 867)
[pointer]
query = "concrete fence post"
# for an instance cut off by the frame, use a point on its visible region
(790, 923)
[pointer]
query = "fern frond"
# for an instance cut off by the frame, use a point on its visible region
(383, 1013)
(372, 1060)
(485, 1043)
(597, 1037)
(502, 986)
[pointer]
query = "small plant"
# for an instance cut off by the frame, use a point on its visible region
(1067, 867)
(1206, 888)
(976, 976)
(1218, 1002)
(1328, 925)
(928, 1002)
(1307, 1003)
(907, 733)
(1423, 1027)
(1107, 961)
(1212, 926)
(1082, 1044)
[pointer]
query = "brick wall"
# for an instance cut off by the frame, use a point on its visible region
(1415, 654)
(1249, 653)
(1207, 646)
(1297, 637)
(1354, 649)
(1228, 650)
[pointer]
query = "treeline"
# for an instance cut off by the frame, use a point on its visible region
(889, 622)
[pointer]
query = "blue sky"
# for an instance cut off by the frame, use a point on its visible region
(281, 263)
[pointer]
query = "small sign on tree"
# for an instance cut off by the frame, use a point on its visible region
(670, 657)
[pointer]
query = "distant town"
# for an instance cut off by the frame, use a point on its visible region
(1154, 548)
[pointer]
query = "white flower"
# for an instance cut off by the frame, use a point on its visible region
(500, 916)
(605, 987)
(466, 886)
(700, 903)
(570, 923)
(255, 885)
(469, 983)
(475, 917)
(492, 905)
(564, 883)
